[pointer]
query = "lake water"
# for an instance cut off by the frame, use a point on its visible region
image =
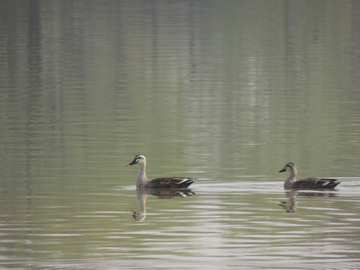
(225, 92)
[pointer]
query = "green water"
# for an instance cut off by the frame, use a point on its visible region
(224, 92)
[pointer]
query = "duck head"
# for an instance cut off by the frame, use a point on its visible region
(139, 159)
(289, 167)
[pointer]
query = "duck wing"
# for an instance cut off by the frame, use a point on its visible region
(316, 183)
(171, 182)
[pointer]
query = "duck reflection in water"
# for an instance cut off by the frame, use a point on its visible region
(291, 205)
(142, 194)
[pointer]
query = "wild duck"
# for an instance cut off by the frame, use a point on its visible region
(165, 182)
(308, 183)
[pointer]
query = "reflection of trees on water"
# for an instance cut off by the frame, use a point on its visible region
(142, 194)
(291, 205)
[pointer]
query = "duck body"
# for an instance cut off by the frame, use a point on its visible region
(308, 183)
(164, 182)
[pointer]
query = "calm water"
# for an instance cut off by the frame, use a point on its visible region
(226, 92)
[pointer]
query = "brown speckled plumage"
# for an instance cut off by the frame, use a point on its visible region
(169, 182)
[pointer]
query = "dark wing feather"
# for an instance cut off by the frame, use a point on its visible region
(170, 182)
(316, 183)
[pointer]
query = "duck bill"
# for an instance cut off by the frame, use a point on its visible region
(283, 170)
(131, 163)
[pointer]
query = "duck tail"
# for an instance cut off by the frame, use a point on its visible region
(186, 182)
(332, 183)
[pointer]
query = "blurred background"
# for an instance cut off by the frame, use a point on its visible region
(224, 91)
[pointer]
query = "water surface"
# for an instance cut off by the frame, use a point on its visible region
(224, 92)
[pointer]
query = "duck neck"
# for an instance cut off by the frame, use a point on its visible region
(141, 179)
(291, 179)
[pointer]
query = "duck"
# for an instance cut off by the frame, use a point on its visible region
(308, 183)
(164, 182)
